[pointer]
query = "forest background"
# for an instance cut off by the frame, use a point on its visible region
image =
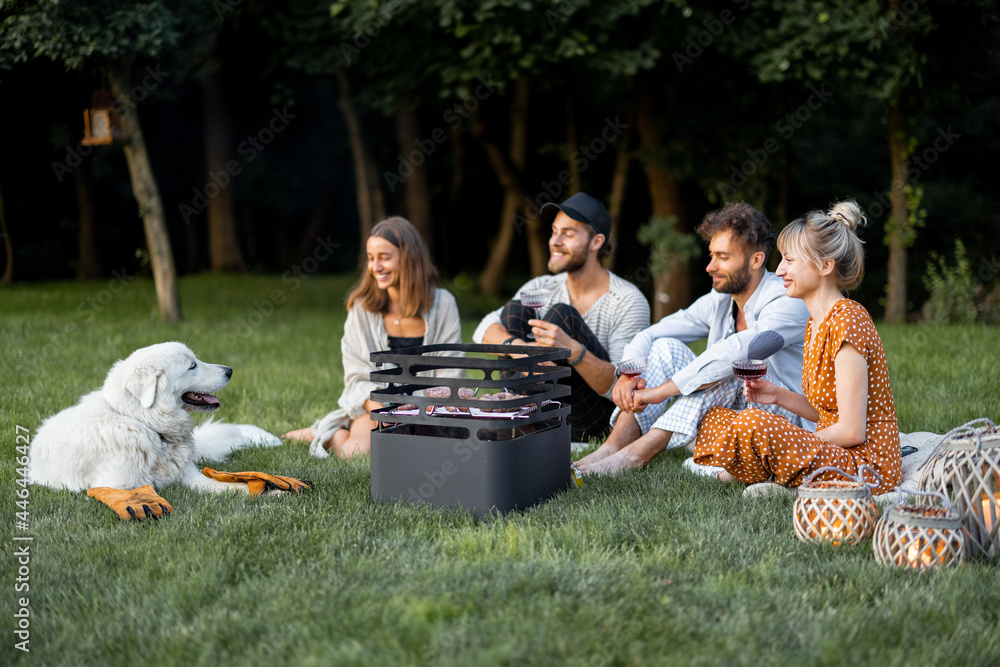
(267, 136)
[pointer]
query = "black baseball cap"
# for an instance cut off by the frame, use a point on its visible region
(582, 208)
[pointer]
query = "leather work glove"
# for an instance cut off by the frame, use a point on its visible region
(258, 482)
(132, 503)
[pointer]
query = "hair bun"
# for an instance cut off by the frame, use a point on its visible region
(848, 213)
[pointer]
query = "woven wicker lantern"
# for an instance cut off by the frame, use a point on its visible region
(919, 537)
(837, 511)
(967, 470)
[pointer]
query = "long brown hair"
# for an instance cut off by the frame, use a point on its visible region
(417, 275)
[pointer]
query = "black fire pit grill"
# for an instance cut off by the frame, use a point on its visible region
(473, 460)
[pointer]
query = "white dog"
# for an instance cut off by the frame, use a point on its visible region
(136, 434)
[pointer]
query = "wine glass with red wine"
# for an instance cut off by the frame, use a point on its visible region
(534, 298)
(750, 369)
(633, 367)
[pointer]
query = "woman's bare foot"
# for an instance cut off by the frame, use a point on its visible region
(337, 442)
(305, 434)
(726, 477)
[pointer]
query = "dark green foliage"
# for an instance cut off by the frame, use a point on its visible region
(95, 33)
(951, 289)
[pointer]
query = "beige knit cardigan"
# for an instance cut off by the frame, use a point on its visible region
(364, 333)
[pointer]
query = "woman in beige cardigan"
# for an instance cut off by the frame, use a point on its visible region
(395, 304)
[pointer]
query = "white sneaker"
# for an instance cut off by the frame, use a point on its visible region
(768, 489)
(703, 470)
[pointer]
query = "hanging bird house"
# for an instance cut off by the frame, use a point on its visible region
(967, 470)
(99, 121)
(919, 537)
(837, 511)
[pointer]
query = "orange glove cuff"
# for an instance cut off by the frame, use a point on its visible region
(132, 503)
(258, 482)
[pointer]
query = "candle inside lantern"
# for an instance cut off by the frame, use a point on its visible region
(832, 528)
(917, 557)
(838, 531)
(924, 553)
(989, 513)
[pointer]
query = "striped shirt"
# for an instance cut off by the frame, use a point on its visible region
(615, 318)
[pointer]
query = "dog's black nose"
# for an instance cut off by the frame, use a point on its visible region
(229, 372)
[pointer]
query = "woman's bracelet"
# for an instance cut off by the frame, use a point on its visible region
(579, 358)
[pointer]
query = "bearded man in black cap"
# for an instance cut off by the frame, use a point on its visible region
(587, 309)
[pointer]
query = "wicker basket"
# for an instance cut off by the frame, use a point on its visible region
(919, 537)
(837, 511)
(967, 470)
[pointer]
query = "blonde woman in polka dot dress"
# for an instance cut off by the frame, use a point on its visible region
(844, 377)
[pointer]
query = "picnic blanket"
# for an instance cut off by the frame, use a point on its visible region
(925, 443)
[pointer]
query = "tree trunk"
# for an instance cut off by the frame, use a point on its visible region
(672, 291)
(457, 176)
(416, 193)
(8, 271)
(89, 267)
(491, 279)
(538, 251)
(371, 205)
(223, 244)
(508, 171)
(619, 179)
(899, 221)
(147, 195)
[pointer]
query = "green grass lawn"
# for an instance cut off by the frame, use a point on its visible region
(651, 567)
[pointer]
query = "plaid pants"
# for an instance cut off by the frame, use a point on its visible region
(590, 412)
(681, 415)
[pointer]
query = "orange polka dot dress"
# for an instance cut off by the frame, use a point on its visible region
(756, 446)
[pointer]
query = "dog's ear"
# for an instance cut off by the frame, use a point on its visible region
(143, 386)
